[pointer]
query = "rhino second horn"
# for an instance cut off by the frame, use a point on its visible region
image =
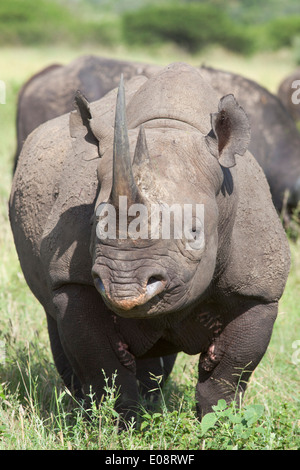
(123, 179)
(141, 153)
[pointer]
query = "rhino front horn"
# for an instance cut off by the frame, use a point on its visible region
(123, 179)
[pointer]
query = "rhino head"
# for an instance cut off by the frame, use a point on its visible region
(156, 232)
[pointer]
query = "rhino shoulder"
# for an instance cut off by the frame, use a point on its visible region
(37, 175)
(260, 257)
(33, 194)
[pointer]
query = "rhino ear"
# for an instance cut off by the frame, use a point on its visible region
(230, 134)
(79, 123)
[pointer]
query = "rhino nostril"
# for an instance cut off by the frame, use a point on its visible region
(99, 285)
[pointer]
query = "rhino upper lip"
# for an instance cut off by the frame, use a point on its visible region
(155, 285)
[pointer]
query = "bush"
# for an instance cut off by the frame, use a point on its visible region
(282, 31)
(191, 26)
(27, 22)
(106, 32)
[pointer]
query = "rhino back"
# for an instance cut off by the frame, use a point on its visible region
(179, 93)
(29, 102)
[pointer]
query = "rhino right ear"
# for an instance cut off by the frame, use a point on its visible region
(79, 124)
(230, 134)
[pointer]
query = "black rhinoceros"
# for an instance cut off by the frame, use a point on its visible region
(275, 141)
(118, 302)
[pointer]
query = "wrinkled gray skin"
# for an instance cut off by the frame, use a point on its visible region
(131, 305)
(275, 141)
(285, 91)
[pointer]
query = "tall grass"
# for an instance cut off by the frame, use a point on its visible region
(36, 412)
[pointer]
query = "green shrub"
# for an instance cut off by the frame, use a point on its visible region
(191, 26)
(30, 22)
(296, 50)
(282, 31)
(240, 39)
(106, 32)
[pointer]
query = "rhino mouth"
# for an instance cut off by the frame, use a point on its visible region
(132, 304)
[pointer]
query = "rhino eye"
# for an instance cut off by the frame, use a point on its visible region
(195, 228)
(195, 236)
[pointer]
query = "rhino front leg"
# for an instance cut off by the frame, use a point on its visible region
(61, 361)
(149, 370)
(91, 345)
(226, 367)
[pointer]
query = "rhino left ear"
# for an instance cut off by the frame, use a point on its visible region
(79, 124)
(230, 134)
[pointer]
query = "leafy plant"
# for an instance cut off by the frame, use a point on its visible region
(282, 31)
(236, 425)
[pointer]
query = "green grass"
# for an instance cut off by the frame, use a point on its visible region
(36, 412)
